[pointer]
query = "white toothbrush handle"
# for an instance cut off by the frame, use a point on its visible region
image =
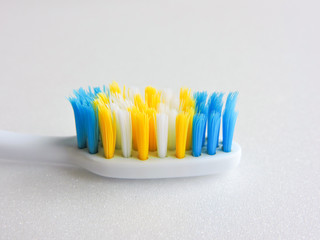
(37, 149)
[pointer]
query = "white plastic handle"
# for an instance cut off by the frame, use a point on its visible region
(63, 151)
(26, 148)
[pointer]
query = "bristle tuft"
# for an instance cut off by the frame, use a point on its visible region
(213, 132)
(229, 121)
(142, 122)
(126, 132)
(182, 123)
(197, 133)
(162, 134)
(172, 115)
(92, 128)
(79, 116)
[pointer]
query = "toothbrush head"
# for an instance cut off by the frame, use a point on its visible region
(124, 126)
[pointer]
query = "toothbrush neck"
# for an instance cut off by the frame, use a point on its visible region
(16, 147)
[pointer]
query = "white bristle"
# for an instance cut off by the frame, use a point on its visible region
(166, 95)
(172, 115)
(115, 108)
(162, 134)
(175, 102)
(126, 132)
(163, 108)
(132, 92)
(121, 103)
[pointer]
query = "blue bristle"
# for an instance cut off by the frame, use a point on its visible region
(92, 128)
(219, 124)
(86, 118)
(81, 95)
(203, 109)
(200, 98)
(90, 94)
(96, 90)
(215, 102)
(215, 105)
(86, 96)
(79, 116)
(229, 121)
(197, 133)
(89, 91)
(213, 132)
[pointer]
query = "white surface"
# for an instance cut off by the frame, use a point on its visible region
(268, 50)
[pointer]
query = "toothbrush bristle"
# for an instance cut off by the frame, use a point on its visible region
(199, 120)
(200, 99)
(229, 121)
(126, 132)
(172, 116)
(182, 123)
(91, 125)
(79, 116)
(142, 135)
(159, 121)
(203, 109)
(107, 123)
(189, 134)
(213, 132)
(215, 105)
(162, 133)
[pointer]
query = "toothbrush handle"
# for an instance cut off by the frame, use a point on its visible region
(26, 148)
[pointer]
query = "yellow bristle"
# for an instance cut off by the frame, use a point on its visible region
(187, 104)
(189, 135)
(139, 103)
(103, 97)
(182, 123)
(114, 88)
(152, 129)
(107, 123)
(184, 92)
(134, 110)
(152, 97)
(142, 121)
(96, 103)
(124, 92)
(186, 100)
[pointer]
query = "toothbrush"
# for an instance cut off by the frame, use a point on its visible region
(157, 138)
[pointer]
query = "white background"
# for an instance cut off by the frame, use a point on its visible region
(268, 50)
